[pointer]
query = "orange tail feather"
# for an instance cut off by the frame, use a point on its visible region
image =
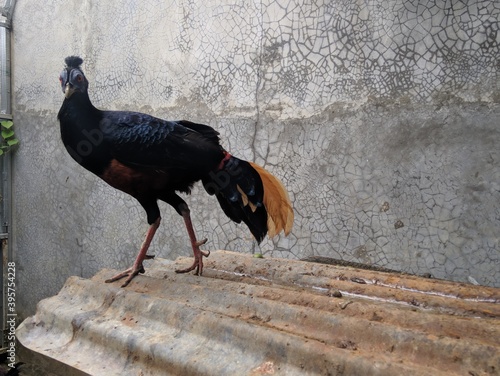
(277, 203)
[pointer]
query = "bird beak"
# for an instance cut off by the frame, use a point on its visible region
(69, 90)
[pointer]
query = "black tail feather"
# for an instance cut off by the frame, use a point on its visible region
(255, 221)
(239, 190)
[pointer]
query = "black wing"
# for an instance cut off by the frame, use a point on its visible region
(143, 140)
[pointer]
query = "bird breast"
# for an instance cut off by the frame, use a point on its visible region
(133, 181)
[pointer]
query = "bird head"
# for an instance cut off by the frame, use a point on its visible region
(72, 78)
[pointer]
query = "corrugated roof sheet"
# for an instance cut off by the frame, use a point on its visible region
(252, 316)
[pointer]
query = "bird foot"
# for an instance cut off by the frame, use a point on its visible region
(197, 265)
(130, 273)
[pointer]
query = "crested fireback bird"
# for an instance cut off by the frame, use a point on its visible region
(153, 159)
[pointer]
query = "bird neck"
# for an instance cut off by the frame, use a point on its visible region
(80, 132)
(79, 102)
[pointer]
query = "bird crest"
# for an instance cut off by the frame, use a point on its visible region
(73, 61)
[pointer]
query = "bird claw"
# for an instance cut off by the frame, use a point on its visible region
(197, 265)
(201, 242)
(130, 272)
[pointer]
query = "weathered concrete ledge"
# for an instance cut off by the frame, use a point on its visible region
(251, 316)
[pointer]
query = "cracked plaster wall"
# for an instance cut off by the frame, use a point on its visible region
(381, 117)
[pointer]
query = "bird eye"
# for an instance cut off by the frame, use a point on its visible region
(79, 78)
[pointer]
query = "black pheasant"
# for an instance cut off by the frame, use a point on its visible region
(152, 159)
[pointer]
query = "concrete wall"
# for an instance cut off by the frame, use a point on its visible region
(381, 117)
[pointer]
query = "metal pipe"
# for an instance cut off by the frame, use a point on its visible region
(5, 72)
(8, 9)
(5, 162)
(6, 12)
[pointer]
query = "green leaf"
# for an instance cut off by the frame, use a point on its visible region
(7, 124)
(7, 133)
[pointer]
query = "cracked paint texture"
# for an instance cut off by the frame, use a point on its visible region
(380, 117)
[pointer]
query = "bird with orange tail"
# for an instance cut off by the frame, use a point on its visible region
(153, 159)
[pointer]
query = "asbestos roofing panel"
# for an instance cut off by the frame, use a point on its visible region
(253, 316)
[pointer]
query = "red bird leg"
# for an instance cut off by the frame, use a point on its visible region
(198, 254)
(137, 267)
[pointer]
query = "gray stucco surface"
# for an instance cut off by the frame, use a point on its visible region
(381, 118)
